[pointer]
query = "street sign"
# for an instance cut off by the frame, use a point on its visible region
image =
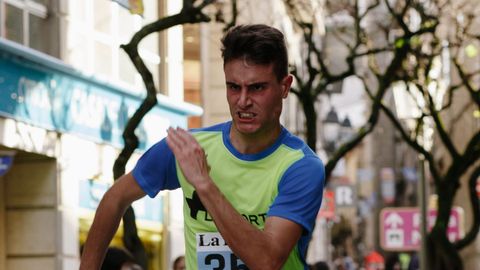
(400, 227)
(344, 195)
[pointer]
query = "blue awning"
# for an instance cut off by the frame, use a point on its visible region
(43, 91)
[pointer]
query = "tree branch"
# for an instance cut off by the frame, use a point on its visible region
(471, 235)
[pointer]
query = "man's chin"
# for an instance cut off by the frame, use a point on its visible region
(246, 128)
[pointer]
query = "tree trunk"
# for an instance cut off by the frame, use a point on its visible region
(442, 254)
(188, 14)
(310, 122)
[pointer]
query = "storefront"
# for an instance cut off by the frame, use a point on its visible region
(62, 131)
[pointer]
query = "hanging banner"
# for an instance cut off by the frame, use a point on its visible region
(387, 180)
(134, 6)
(327, 210)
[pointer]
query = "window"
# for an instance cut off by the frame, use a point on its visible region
(26, 22)
(95, 31)
(13, 24)
(102, 13)
(36, 34)
(103, 59)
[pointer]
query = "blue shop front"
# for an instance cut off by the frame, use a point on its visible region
(60, 133)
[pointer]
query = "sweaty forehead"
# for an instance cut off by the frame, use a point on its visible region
(246, 72)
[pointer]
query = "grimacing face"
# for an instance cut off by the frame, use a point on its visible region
(254, 96)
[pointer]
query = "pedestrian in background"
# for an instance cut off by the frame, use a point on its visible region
(119, 259)
(179, 263)
(320, 266)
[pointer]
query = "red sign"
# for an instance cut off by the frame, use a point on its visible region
(400, 227)
(327, 210)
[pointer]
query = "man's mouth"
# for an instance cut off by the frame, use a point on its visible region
(246, 115)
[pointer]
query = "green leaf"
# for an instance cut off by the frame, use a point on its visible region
(429, 23)
(476, 114)
(399, 43)
(415, 41)
(471, 51)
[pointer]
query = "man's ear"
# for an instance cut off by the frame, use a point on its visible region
(286, 84)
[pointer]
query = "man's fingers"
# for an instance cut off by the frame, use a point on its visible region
(184, 136)
(173, 140)
(179, 138)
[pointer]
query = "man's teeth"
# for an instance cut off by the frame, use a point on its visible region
(245, 115)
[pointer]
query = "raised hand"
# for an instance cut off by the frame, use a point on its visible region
(190, 156)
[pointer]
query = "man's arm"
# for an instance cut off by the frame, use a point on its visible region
(107, 218)
(267, 249)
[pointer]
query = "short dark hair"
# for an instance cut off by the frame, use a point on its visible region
(259, 43)
(177, 261)
(116, 257)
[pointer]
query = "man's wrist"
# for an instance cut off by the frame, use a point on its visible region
(204, 186)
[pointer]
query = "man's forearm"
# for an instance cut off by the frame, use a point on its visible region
(255, 247)
(105, 224)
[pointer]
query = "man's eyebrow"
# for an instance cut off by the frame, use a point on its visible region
(250, 84)
(259, 83)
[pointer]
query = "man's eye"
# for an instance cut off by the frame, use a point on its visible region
(257, 87)
(233, 87)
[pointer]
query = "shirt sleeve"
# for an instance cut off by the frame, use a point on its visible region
(156, 170)
(300, 193)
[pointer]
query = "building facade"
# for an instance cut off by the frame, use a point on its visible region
(66, 92)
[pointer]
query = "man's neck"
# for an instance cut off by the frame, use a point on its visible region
(253, 143)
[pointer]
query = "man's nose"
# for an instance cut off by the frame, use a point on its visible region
(244, 99)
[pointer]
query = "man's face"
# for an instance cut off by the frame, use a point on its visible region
(254, 96)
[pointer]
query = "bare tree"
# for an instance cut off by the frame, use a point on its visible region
(428, 30)
(401, 42)
(354, 34)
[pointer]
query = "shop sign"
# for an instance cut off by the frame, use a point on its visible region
(71, 102)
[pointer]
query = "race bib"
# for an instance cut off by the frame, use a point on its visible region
(213, 253)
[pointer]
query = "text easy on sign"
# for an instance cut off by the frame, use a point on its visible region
(400, 227)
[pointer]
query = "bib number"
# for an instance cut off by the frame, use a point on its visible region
(213, 253)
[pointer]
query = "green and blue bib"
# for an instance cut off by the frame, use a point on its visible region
(286, 180)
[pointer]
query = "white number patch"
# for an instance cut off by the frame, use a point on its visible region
(213, 253)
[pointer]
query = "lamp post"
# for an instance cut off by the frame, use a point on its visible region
(331, 131)
(346, 130)
(335, 132)
(408, 112)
